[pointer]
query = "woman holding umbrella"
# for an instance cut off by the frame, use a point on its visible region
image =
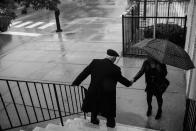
(155, 74)
(160, 52)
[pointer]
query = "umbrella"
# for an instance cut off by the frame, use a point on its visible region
(166, 52)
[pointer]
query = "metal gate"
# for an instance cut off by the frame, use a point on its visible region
(166, 8)
(140, 17)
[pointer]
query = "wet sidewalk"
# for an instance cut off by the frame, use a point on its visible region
(60, 57)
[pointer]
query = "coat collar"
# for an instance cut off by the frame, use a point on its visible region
(108, 60)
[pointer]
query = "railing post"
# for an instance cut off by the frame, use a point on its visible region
(28, 89)
(168, 10)
(58, 105)
(71, 99)
(123, 35)
(51, 99)
(23, 102)
(4, 106)
(185, 28)
(82, 87)
(15, 106)
(75, 99)
(67, 99)
(145, 4)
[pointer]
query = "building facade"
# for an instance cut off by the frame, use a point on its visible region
(190, 47)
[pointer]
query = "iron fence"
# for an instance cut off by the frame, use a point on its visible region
(166, 8)
(25, 102)
(137, 28)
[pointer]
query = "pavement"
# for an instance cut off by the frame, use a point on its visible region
(60, 57)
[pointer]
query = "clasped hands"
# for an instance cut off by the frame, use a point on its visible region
(131, 82)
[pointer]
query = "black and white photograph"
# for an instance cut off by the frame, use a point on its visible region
(97, 65)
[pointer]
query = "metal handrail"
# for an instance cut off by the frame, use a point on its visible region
(29, 102)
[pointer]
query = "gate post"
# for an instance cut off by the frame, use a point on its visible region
(145, 2)
(185, 20)
(123, 35)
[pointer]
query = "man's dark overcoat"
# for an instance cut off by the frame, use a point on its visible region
(101, 94)
(159, 75)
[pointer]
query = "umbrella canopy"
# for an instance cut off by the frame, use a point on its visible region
(166, 52)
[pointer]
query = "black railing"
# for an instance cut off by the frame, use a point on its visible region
(137, 28)
(25, 102)
(166, 8)
(139, 19)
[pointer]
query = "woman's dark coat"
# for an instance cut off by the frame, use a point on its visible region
(101, 94)
(159, 75)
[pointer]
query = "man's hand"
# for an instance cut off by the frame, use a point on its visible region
(131, 82)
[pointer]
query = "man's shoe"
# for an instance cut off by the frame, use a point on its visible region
(95, 121)
(158, 115)
(111, 122)
(149, 112)
(111, 125)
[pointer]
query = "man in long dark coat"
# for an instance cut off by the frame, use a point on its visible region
(100, 98)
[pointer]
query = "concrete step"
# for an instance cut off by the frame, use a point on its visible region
(38, 129)
(53, 127)
(81, 124)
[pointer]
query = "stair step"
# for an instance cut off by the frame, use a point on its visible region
(102, 126)
(38, 129)
(81, 124)
(68, 122)
(72, 124)
(53, 127)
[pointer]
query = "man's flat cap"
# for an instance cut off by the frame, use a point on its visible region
(111, 52)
